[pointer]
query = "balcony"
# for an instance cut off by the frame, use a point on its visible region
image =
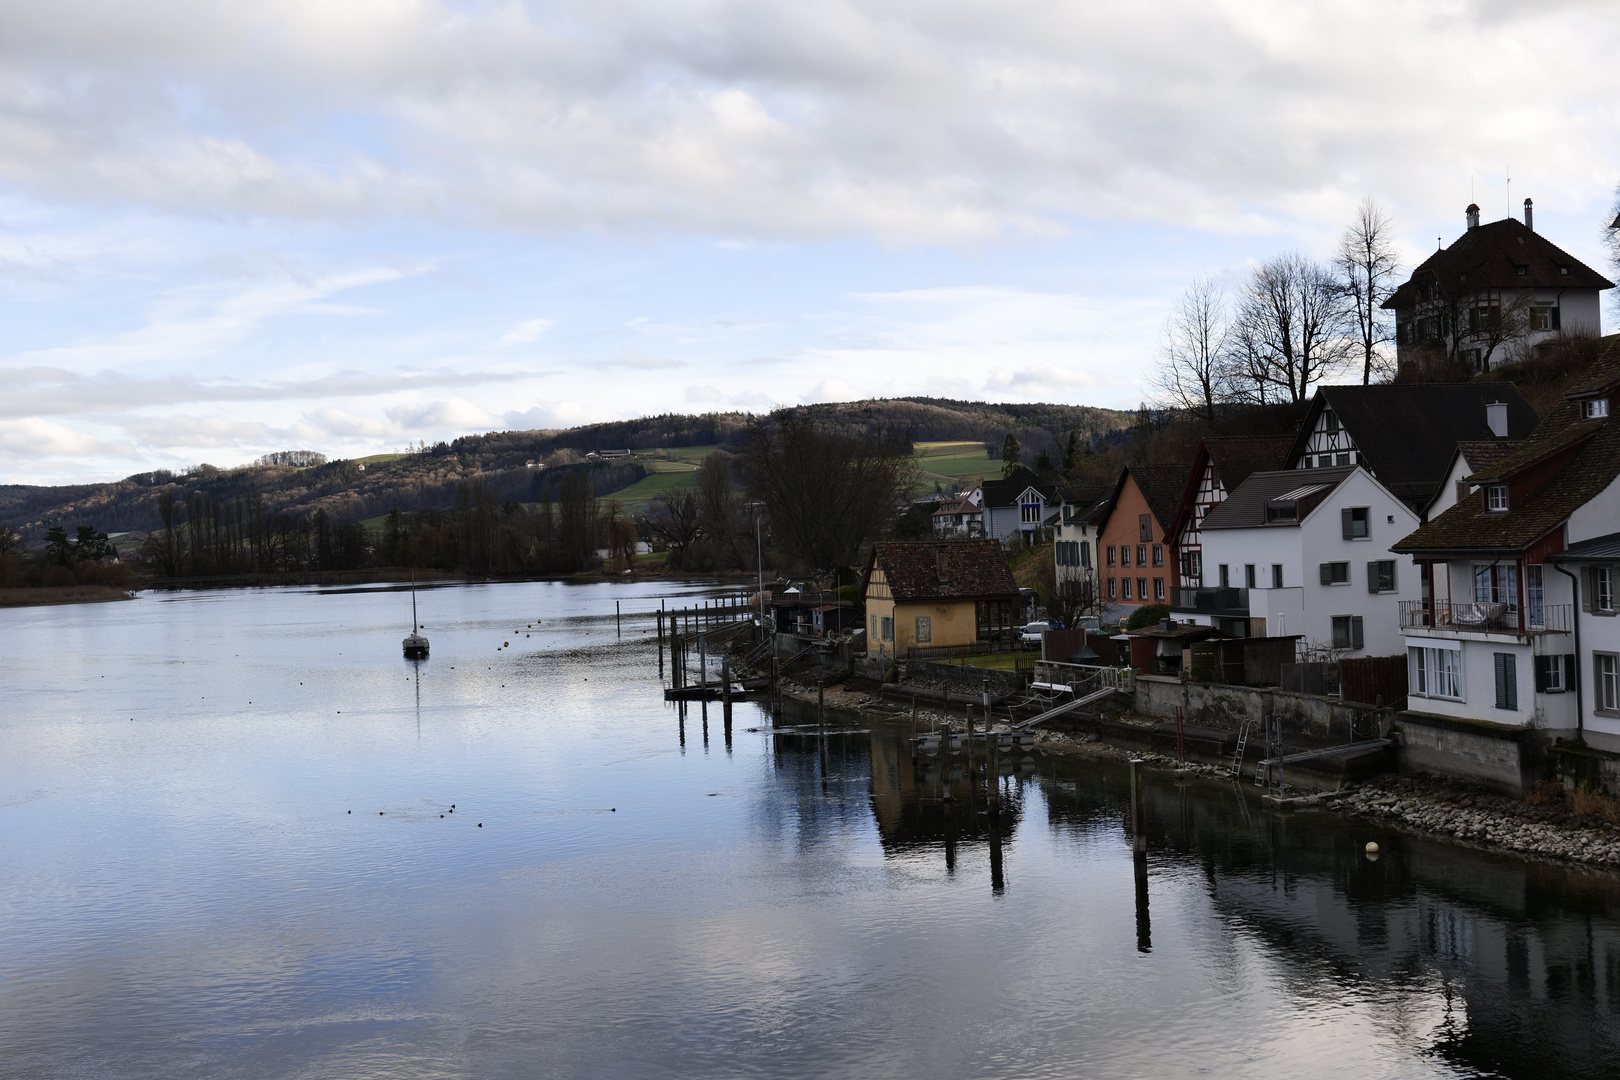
(1475, 617)
(1210, 600)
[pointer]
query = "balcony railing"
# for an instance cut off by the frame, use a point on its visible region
(1210, 598)
(1478, 617)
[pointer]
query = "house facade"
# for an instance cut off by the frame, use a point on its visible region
(1016, 506)
(1499, 291)
(937, 594)
(961, 517)
(1287, 554)
(1406, 434)
(1074, 547)
(1137, 554)
(1219, 467)
(1511, 623)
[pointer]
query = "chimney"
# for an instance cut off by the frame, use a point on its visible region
(942, 564)
(1529, 216)
(1473, 215)
(1496, 418)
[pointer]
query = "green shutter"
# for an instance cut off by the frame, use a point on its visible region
(1345, 523)
(1542, 663)
(1327, 573)
(1569, 671)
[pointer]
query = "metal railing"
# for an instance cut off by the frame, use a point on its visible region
(1081, 678)
(1211, 598)
(1480, 617)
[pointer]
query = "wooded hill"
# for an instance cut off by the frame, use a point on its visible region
(348, 492)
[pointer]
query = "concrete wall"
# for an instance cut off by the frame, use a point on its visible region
(958, 682)
(1495, 755)
(1218, 706)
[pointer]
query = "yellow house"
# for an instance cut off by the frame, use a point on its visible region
(937, 594)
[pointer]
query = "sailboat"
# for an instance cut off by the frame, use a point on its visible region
(416, 646)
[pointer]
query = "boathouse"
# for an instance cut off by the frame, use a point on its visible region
(937, 595)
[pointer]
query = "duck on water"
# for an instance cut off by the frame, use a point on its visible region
(416, 646)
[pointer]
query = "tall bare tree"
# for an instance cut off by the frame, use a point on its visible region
(1193, 368)
(826, 493)
(1367, 266)
(1290, 330)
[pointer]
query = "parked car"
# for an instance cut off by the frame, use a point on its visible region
(1030, 633)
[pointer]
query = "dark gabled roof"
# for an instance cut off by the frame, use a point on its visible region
(1237, 456)
(1484, 455)
(1004, 493)
(1592, 466)
(1489, 255)
(1597, 549)
(1161, 486)
(975, 569)
(1245, 508)
(1407, 432)
(1603, 376)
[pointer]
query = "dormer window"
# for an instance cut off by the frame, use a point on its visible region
(1521, 269)
(1595, 408)
(1564, 270)
(1282, 511)
(1496, 497)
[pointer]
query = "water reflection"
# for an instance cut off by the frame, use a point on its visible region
(186, 893)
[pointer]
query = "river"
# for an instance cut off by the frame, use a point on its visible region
(241, 837)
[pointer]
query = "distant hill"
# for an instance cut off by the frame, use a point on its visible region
(350, 490)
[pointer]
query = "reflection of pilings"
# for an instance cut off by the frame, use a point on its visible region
(1138, 811)
(1144, 924)
(680, 713)
(997, 882)
(950, 832)
(705, 707)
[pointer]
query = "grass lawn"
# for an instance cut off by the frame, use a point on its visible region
(636, 498)
(381, 457)
(956, 461)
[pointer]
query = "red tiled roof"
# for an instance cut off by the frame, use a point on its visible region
(975, 569)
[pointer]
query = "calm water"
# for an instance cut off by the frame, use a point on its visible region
(185, 892)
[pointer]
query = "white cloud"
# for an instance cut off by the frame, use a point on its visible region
(834, 389)
(529, 330)
(456, 415)
(703, 394)
(33, 437)
(174, 431)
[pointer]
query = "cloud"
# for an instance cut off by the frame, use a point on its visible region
(647, 362)
(833, 389)
(525, 332)
(33, 437)
(449, 415)
(703, 394)
(195, 432)
(950, 122)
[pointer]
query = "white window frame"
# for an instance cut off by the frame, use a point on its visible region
(1606, 682)
(1496, 498)
(1603, 588)
(1436, 673)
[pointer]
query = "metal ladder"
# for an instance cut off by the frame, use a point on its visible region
(1242, 744)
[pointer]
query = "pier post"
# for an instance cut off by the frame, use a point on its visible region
(660, 618)
(703, 664)
(992, 768)
(1138, 811)
(618, 620)
(725, 692)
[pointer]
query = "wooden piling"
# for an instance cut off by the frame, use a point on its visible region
(618, 620)
(1138, 811)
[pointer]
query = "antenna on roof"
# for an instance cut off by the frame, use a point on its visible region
(1509, 170)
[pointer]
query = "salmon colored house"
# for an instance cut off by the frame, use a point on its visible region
(1136, 557)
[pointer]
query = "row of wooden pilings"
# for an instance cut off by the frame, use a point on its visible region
(677, 629)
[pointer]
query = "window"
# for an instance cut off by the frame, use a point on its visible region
(1507, 681)
(925, 629)
(888, 628)
(1125, 555)
(1144, 528)
(1541, 318)
(1555, 674)
(1521, 268)
(1141, 554)
(1535, 598)
(1330, 421)
(1113, 589)
(1335, 573)
(1276, 575)
(1563, 270)
(1124, 588)
(1381, 576)
(1595, 409)
(1110, 554)
(1347, 632)
(1248, 576)
(875, 636)
(1354, 522)
(1226, 577)
(1606, 666)
(1158, 554)
(1603, 588)
(1085, 556)
(1141, 588)
(1437, 672)
(1496, 497)
(1195, 560)
(1282, 511)
(1031, 513)
(1158, 589)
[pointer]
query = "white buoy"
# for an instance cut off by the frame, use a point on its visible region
(1372, 848)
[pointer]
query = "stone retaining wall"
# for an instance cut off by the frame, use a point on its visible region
(1218, 705)
(1498, 756)
(958, 682)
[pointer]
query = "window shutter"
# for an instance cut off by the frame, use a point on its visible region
(1510, 668)
(1501, 679)
(1356, 641)
(1557, 323)
(1327, 574)
(1344, 522)
(1569, 671)
(1586, 588)
(1372, 577)
(1542, 664)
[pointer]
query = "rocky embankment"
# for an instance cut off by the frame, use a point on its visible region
(1492, 820)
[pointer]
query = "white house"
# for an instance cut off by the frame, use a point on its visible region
(1309, 554)
(1074, 546)
(961, 517)
(1513, 624)
(1015, 506)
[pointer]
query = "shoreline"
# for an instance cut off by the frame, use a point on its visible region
(1471, 817)
(65, 594)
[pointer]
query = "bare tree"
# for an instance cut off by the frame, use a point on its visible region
(1289, 334)
(1367, 266)
(826, 493)
(1193, 369)
(1611, 236)
(674, 520)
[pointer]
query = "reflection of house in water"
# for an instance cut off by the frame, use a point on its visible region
(1523, 957)
(908, 796)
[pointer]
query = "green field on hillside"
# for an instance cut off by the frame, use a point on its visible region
(956, 461)
(381, 457)
(636, 498)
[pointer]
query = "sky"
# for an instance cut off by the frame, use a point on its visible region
(228, 228)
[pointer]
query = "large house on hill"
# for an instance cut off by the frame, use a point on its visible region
(1406, 434)
(1495, 294)
(1516, 625)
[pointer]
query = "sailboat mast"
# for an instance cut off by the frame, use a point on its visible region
(415, 625)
